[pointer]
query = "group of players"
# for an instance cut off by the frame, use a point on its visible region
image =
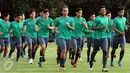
(101, 32)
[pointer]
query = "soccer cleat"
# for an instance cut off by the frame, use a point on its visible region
(30, 61)
(80, 59)
(90, 68)
(22, 56)
(4, 58)
(74, 65)
(24, 52)
(43, 59)
(58, 61)
(112, 65)
(72, 61)
(119, 63)
(62, 69)
(104, 70)
(39, 64)
(94, 60)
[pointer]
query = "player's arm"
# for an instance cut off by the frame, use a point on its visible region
(1, 32)
(98, 28)
(85, 24)
(51, 25)
(9, 30)
(115, 29)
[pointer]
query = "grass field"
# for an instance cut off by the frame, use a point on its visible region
(50, 66)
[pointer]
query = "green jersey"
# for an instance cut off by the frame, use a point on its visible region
(4, 27)
(16, 28)
(64, 31)
(89, 33)
(30, 28)
(43, 27)
(119, 23)
(109, 28)
(78, 25)
(98, 22)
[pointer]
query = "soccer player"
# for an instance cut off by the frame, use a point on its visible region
(79, 25)
(100, 37)
(44, 23)
(31, 34)
(109, 31)
(64, 26)
(90, 34)
(4, 34)
(15, 31)
(24, 42)
(119, 38)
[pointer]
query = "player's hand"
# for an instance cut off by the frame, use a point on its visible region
(36, 29)
(11, 35)
(91, 30)
(67, 23)
(57, 32)
(83, 23)
(1, 33)
(24, 32)
(103, 27)
(122, 33)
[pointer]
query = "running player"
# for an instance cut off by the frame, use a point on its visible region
(90, 35)
(119, 38)
(79, 23)
(45, 24)
(100, 37)
(4, 34)
(64, 26)
(31, 30)
(15, 31)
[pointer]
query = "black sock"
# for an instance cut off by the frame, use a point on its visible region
(18, 53)
(30, 53)
(88, 54)
(77, 56)
(112, 55)
(62, 61)
(121, 55)
(73, 54)
(92, 58)
(104, 58)
(70, 52)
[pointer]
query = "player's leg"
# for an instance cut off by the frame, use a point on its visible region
(6, 42)
(114, 47)
(74, 49)
(104, 47)
(34, 47)
(79, 44)
(12, 45)
(122, 44)
(42, 50)
(82, 45)
(19, 47)
(94, 52)
(63, 47)
(29, 42)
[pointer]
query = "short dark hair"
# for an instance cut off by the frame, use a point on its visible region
(45, 10)
(5, 14)
(108, 12)
(102, 6)
(65, 6)
(78, 9)
(120, 8)
(18, 14)
(91, 13)
(32, 10)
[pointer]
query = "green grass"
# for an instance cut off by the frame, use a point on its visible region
(50, 65)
